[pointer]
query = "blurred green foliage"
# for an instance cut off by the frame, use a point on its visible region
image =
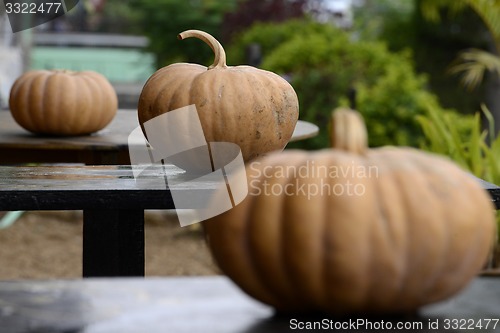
(324, 65)
(434, 44)
(461, 138)
(388, 20)
(471, 63)
(163, 20)
(119, 17)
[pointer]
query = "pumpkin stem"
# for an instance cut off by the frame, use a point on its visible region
(348, 131)
(220, 54)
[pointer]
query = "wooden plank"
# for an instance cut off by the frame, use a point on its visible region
(201, 304)
(108, 146)
(89, 187)
(92, 156)
(96, 187)
(112, 137)
(493, 190)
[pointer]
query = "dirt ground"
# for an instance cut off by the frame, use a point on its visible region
(46, 245)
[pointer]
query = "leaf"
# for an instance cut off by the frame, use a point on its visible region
(491, 122)
(489, 11)
(458, 148)
(475, 143)
(492, 171)
(472, 64)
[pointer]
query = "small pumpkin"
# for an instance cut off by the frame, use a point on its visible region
(62, 102)
(253, 108)
(354, 230)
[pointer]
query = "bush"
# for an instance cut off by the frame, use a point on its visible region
(324, 65)
(162, 20)
(461, 138)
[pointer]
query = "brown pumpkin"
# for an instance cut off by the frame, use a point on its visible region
(354, 230)
(253, 108)
(62, 102)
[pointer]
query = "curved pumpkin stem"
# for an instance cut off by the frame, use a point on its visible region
(220, 54)
(348, 131)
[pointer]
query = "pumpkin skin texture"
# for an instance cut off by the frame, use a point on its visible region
(63, 103)
(253, 108)
(415, 232)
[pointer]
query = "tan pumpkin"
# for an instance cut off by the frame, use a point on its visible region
(253, 108)
(354, 230)
(62, 102)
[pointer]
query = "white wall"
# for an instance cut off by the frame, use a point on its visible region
(11, 59)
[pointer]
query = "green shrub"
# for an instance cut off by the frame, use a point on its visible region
(324, 64)
(162, 20)
(460, 138)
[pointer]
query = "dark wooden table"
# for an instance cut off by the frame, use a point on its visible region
(106, 147)
(207, 305)
(113, 204)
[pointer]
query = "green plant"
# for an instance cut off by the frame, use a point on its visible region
(460, 138)
(388, 20)
(324, 65)
(162, 20)
(472, 63)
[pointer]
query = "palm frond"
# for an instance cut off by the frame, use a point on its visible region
(489, 11)
(472, 64)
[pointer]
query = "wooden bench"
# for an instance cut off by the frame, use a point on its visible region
(113, 207)
(209, 305)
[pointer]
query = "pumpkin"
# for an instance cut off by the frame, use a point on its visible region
(62, 102)
(352, 230)
(253, 108)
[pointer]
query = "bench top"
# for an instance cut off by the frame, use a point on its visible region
(493, 190)
(104, 187)
(193, 304)
(82, 187)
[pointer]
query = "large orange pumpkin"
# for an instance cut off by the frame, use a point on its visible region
(62, 102)
(354, 230)
(253, 108)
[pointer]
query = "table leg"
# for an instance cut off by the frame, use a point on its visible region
(113, 243)
(103, 157)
